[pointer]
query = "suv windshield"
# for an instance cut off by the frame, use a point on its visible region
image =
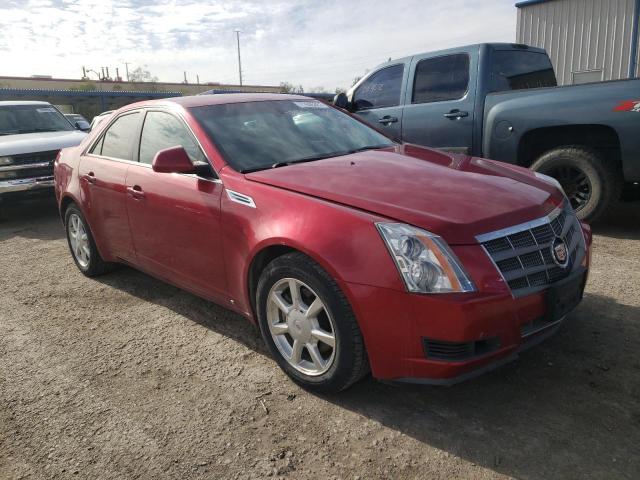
(16, 119)
(517, 69)
(258, 135)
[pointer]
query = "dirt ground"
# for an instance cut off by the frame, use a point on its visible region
(126, 377)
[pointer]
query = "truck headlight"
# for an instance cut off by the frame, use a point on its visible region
(551, 180)
(424, 260)
(6, 160)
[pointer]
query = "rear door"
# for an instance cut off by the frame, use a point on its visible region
(439, 102)
(378, 99)
(175, 218)
(102, 172)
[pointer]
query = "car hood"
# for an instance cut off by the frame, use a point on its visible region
(455, 196)
(39, 142)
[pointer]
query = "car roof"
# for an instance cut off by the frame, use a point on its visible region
(10, 103)
(220, 98)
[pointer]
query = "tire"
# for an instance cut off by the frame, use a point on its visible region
(89, 262)
(592, 184)
(338, 367)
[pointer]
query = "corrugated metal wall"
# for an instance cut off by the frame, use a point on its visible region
(581, 36)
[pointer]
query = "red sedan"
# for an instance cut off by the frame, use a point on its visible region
(351, 253)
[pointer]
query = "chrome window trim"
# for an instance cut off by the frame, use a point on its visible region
(485, 237)
(113, 159)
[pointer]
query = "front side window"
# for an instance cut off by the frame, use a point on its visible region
(118, 139)
(517, 69)
(18, 119)
(440, 79)
(162, 130)
(382, 89)
(260, 135)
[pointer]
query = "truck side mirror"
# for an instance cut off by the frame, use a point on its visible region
(82, 125)
(341, 101)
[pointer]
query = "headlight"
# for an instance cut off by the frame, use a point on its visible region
(424, 260)
(551, 180)
(6, 160)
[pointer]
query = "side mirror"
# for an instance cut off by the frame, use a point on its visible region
(341, 101)
(82, 125)
(173, 160)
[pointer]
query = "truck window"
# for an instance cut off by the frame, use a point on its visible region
(441, 78)
(382, 89)
(517, 69)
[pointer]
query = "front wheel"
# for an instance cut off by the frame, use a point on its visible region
(309, 326)
(591, 184)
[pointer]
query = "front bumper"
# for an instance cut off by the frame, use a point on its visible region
(469, 333)
(26, 184)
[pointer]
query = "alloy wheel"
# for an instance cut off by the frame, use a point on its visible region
(79, 240)
(301, 327)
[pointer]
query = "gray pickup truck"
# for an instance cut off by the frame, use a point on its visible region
(501, 101)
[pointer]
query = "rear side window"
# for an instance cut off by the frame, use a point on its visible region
(382, 89)
(162, 130)
(117, 140)
(517, 69)
(441, 78)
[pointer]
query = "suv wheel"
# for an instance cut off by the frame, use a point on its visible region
(592, 185)
(308, 325)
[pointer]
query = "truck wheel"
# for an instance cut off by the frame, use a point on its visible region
(592, 185)
(309, 326)
(81, 243)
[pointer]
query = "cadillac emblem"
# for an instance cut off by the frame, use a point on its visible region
(559, 252)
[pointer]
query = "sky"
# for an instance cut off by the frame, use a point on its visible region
(304, 42)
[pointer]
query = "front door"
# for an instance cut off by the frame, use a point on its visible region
(175, 218)
(439, 104)
(377, 100)
(102, 172)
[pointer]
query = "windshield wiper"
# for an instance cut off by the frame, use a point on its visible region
(314, 158)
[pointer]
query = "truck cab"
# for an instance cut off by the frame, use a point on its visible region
(501, 101)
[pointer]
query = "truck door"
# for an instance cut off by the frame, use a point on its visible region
(377, 100)
(439, 102)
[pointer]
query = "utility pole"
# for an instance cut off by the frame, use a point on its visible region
(126, 66)
(239, 62)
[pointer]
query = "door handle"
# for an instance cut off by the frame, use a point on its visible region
(89, 177)
(387, 119)
(135, 191)
(456, 114)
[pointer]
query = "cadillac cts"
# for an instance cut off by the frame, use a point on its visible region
(350, 252)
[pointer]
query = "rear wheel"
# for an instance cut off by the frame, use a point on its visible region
(308, 325)
(81, 243)
(592, 185)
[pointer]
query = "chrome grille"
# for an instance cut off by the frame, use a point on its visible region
(523, 254)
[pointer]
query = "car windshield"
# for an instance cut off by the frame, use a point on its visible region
(16, 119)
(259, 135)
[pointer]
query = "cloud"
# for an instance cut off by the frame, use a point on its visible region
(304, 42)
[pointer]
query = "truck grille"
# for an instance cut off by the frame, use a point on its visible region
(29, 165)
(523, 254)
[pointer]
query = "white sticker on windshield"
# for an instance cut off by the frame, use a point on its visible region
(310, 105)
(46, 110)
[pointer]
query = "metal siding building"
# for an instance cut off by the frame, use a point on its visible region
(587, 40)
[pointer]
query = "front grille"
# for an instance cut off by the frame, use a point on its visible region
(42, 166)
(523, 253)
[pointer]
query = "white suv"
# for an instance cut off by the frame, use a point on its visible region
(31, 135)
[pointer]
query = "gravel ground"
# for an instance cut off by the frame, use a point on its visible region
(126, 377)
